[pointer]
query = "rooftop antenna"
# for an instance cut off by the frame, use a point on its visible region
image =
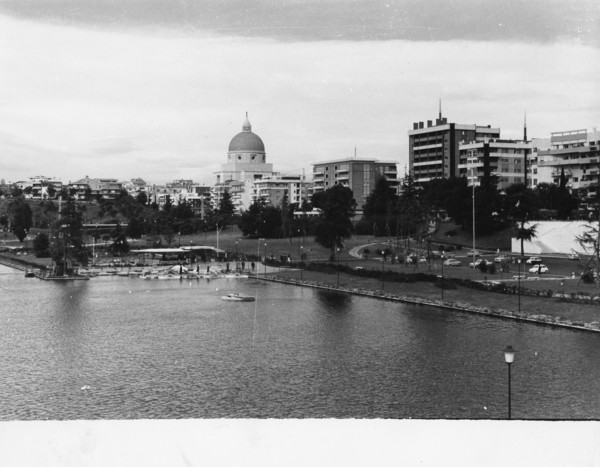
(355, 152)
(440, 108)
(525, 127)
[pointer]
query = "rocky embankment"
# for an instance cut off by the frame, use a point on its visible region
(593, 326)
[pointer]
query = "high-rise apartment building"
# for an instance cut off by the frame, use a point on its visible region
(503, 158)
(358, 174)
(434, 148)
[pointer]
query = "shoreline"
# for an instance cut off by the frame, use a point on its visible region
(456, 306)
(540, 319)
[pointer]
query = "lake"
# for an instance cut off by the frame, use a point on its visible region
(126, 348)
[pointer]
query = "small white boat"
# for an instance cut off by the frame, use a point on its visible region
(236, 297)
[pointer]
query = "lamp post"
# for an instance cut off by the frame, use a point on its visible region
(382, 270)
(509, 358)
(442, 285)
(265, 257)
(338, 267)
(473, 160)
(301, 255)
(519, 283)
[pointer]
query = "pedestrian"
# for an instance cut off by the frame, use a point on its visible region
(252, 265)
(243, 265)
(227, 266)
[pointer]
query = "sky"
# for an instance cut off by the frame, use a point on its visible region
(157, 88)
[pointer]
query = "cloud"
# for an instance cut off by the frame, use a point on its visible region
(309, 20)
(128, 103)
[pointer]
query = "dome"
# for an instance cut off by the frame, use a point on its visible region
(246, 141)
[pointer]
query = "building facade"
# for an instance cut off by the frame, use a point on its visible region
(358, 174)
(503, 158)
(434, 148)
(272, 190)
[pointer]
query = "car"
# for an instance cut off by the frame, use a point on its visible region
(539, 269)
(574, 257)
(499, 259)
(452, 262)
(477, 263)
(534, 260)
(473, 253)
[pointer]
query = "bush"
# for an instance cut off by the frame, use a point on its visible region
(588, 277)
(491, 268)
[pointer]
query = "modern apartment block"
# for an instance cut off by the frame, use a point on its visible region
(434, 148)
(575, 153)
(272, 190)
(503, 158)
(360, 175)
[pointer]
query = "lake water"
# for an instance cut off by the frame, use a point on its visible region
(126, 348)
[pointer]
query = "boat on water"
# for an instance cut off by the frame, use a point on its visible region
(236, 297)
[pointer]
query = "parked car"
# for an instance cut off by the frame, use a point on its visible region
(452, 262)
(534, 260)
(539, 269)
(499, 259)
(574, 257)
(473, 253)
(477, 263)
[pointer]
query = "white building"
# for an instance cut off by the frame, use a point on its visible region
(272, 190)
(246, 163)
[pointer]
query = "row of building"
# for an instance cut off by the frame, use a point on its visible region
(437, 149)
(444, 150)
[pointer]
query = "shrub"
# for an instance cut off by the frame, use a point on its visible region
(588, 277)
(491, 268)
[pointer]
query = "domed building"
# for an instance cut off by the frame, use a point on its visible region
(246, 163)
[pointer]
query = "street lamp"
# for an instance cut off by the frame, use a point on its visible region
(382, 271)
(265, 257)
(473, 161)
(338, 267)
(509, 358)
(442, 285)
(519, 283)
(301, 255)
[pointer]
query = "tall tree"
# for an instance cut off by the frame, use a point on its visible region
(20, 216)
(378, 210)
(225, 211)
(338, 207)
(522, 208)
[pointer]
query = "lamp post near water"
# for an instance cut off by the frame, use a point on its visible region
(338, 267)
(301, 255)
(382, 270)
(509, 358)
(265, 257)
(519, 284)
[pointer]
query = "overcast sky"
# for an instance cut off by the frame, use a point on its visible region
(157, 89)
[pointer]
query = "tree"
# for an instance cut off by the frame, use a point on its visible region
(66, 242)
(20, 216)
(225, 210)
(142, 198)
(378, 210)
(41, 245)
(525, 234)
(335, 224)
(119, 245)
(522, 206)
